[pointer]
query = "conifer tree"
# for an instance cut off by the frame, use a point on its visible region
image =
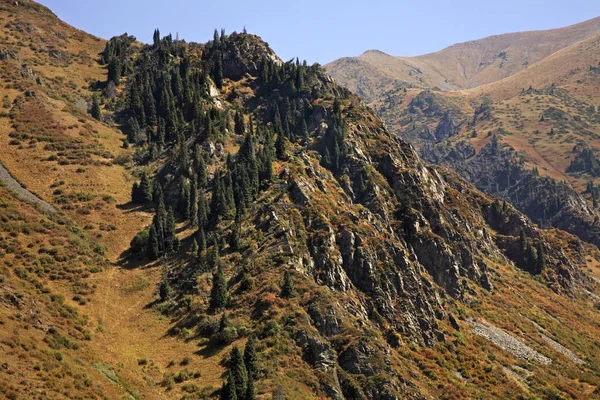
(201, 236)
(280, 147)
(250, 390)
(541, 257)
(171, 239)
(228, 392)
(287, 290)
(96, 112)
(194, 248)
(145, 189)
(250, 358)
(183, 204)
(202, 209)
(156, 38)
(153, 243)
(238, 372)
(193, 206)
(218, 73)
(218, 295)
(200, 166)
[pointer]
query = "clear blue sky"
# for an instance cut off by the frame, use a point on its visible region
(322, 31)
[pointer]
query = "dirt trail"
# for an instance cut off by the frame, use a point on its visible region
(23, 194)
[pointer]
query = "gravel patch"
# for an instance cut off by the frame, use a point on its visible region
(21, 193)
(508, 343)
(562, 350)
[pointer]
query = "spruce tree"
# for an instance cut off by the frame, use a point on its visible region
(218, 73)
(218, 295)
(287, 290)
(156, 38)
(194, 248)
(238, 372)
(541, 257)
(201, 236)
(145, 189)
(96, 112)
(171, 239)
(153, 243)
(183, 203)
(250, 358)
(250, 390)
(228, 392)
(280, 150)
(193, 207)
(202, 209)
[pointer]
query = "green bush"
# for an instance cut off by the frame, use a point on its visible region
(227, 335)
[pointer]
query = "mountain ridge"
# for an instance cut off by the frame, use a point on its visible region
(472, 63)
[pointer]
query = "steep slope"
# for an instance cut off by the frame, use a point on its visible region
(274, 209)
(461, 66)
(543, 117)
(277, 174)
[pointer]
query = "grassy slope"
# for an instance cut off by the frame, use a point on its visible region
(123, 330)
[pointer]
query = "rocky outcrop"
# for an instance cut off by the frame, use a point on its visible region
(494, 170)
(446, 128)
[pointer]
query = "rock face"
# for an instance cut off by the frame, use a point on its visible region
(494, 170)
(446, 128)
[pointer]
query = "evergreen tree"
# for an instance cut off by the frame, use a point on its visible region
(250, 358)
(234, 238)
(218, 73)
(200, 166)
(171, 239)
(218, 295)
(250, 390)
(153, 243)
(114, 71)
(304, 132)
(541, 257)
(96, 112)
(280, 150)
(238, 372)
(165, 290)
(228, 392)
(201, 239)
(183, 204)
(145, 189)
(194, 248)
(156, 38)
(193, 206)
(287, 290)
(240, 125)
(202, 209)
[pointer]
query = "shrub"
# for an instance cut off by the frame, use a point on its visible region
(227, 335)
(186, 361)
(208, 326)
(272, 328)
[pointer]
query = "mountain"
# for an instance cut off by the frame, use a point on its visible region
(461, 66)
(207, 221)
(543, 118)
